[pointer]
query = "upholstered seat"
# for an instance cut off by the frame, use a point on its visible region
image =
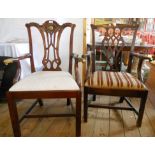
(46, 80)
(114, 80)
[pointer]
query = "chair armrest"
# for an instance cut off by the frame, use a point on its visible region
(17, 59)
(141, 58)
(89, 54)
(76, 69)
(88, 59)
(76, 57)
(11, 60)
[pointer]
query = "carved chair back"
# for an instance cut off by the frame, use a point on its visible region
(50, 32)
(107, 50)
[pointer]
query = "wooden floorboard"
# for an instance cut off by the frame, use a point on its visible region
(129, 121)
(101, 127)
(146, 130)
(150, 112)
(101, 122)
(116, 120)
(88, 128)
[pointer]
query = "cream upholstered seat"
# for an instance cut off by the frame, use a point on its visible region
(46, 80)
(114, 80)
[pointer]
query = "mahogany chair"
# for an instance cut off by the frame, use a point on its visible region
(104, 76)
(50, 81)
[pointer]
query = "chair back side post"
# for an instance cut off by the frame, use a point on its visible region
(134, 38)
(50, 32)
(132, 49)
(28, 26)
(93, 47)
(71, 47)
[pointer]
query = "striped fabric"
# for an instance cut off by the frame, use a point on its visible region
(114, 80)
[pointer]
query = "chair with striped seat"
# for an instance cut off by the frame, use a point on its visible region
(109, 79)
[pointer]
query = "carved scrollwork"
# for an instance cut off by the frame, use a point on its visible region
(50, 26)
(50, 32)
(112, 46)
(108, 49)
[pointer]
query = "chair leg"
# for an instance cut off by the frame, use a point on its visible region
(141, 110)
(85, 105)
(14, 116)
(121, 99)
(78, 115)
(40, 102)
(94, 97)
(68, 101)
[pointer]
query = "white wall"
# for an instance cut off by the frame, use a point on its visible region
(14, 29)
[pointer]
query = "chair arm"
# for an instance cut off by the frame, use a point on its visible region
(89, 54)
(141, 58)
(88, 59)
(76, 57)
(11, 60)
(17, 59)
(76, 69)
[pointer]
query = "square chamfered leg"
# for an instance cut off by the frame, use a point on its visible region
(40, 102)
(85, 105)
(13, 115)
(68, 101)
(78, 115)
(121, 99)
(141, 109)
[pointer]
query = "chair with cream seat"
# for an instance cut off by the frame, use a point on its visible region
(105, 77)
(50, 81)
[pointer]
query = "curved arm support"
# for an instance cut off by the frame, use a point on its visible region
(17, 59)
(76, 68)
(141, 58)
(11, 60)
(88, 59)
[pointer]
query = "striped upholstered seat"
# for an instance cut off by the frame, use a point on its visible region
(114, 80)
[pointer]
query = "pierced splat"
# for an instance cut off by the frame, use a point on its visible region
(50, 33)
(109, 54)
(112, 46)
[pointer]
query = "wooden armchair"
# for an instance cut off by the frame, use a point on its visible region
(108, 79)
(50, 81)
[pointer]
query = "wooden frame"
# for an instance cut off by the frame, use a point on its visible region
(122, 93)
(15, 120)
(48, 30)
(84, 49)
